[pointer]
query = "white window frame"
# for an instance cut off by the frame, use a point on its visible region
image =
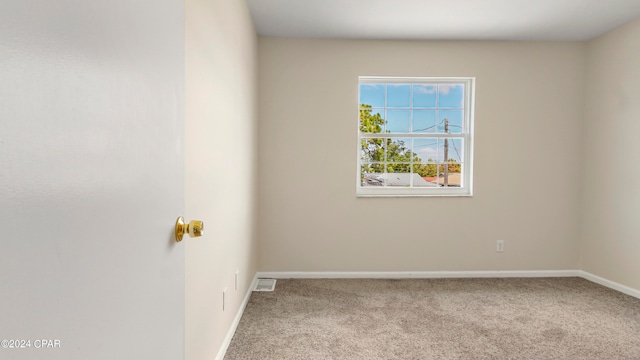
(466, 188)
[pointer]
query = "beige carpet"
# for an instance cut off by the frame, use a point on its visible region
(542, 318)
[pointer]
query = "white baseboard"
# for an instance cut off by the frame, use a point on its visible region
(610, 284)
(415, 274)
(236, 321)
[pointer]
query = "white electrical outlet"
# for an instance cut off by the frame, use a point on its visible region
(500, 245)
(224, 295)
(236, 282)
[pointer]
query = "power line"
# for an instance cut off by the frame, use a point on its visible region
(425, 129)
(456, 149)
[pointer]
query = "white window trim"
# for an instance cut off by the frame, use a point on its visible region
(468, 136)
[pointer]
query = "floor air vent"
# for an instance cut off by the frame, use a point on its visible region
(265, 285)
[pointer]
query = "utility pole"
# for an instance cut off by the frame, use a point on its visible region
(446, 154)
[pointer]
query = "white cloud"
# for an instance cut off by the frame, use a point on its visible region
(444, 89)
(425, 89)
(428, 153)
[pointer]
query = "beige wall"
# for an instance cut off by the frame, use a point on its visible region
(528, 120)
(611, 176)
(220, 167)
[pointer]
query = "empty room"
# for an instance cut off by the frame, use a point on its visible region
(336, 179)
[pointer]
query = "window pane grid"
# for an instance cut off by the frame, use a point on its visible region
(414, 134)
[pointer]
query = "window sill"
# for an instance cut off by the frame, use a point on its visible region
(395, 193)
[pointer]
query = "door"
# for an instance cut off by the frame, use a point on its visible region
(91, 179)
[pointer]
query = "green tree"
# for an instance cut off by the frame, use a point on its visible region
(373, 149)
(454, 166)
(370, 123)
(426, 170)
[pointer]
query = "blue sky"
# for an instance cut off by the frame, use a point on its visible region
(431, 105)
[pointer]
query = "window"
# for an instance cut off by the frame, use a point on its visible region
(415, 136)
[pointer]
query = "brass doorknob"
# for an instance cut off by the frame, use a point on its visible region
(194, 228)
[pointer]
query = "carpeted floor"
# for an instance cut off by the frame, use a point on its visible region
(533, 318)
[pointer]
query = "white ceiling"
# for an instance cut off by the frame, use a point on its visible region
(442, 19)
